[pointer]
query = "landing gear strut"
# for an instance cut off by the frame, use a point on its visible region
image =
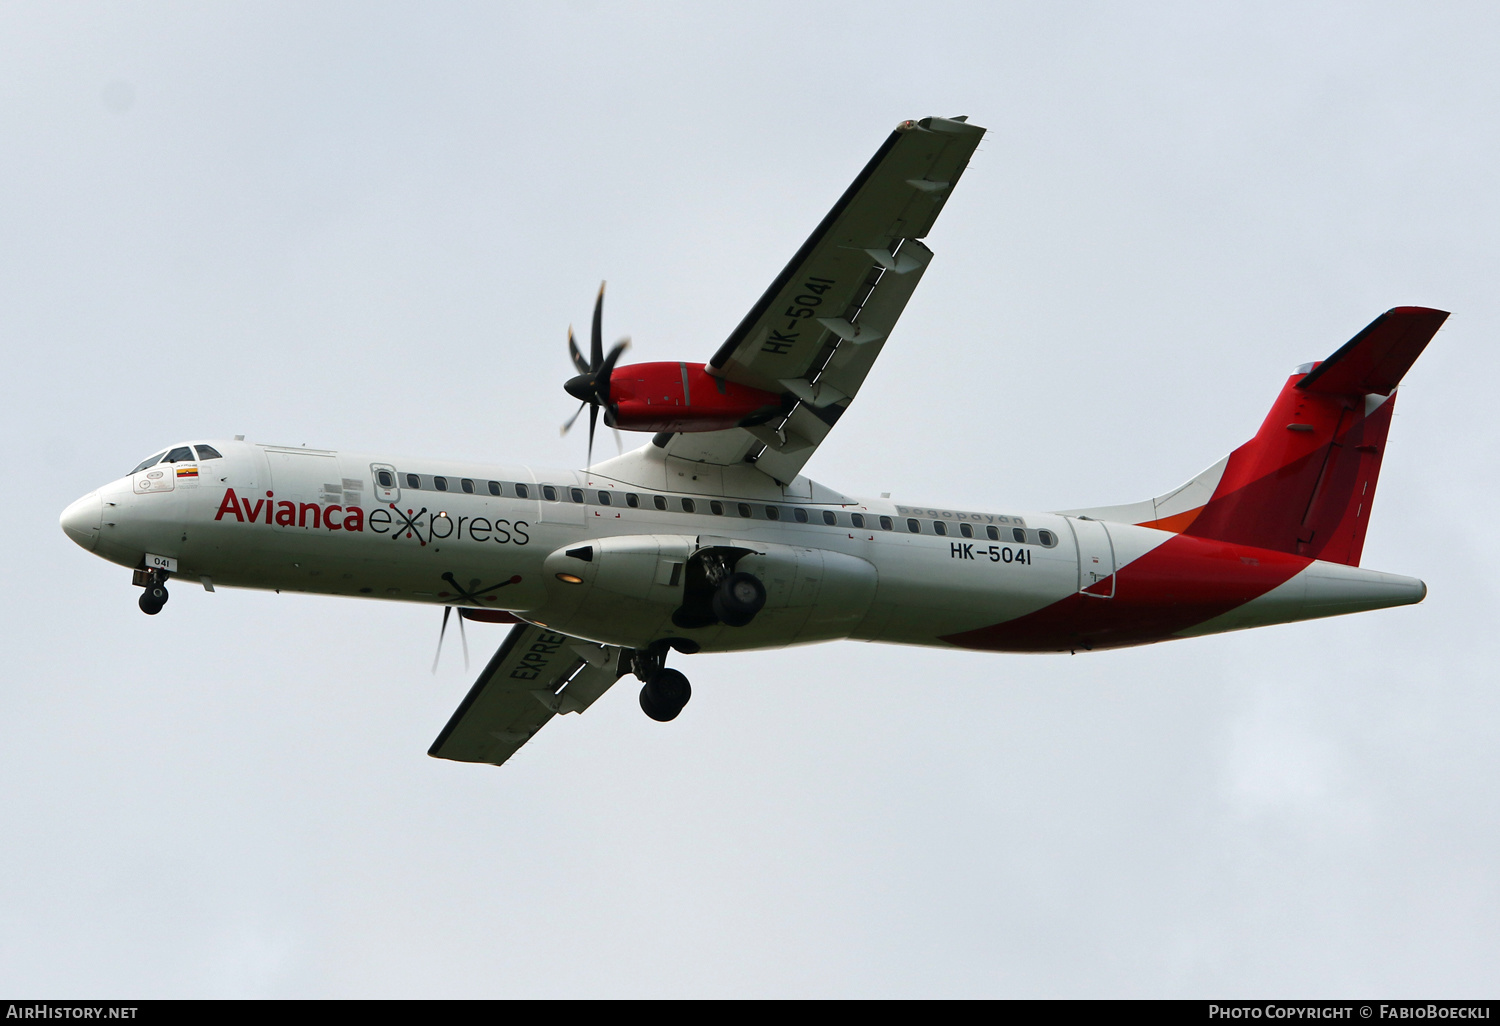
(155, 594)
(665, 691)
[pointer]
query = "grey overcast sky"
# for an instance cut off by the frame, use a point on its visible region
(368, 225)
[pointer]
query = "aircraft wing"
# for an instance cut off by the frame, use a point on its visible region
(817, 330)
(535, 675)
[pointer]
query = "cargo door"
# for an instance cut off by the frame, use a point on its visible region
(1096, 557)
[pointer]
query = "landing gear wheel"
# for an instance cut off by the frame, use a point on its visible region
(738, 599)
(152, 599)
(664, 695)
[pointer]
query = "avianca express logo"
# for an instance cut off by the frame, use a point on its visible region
(290, 514)
(412, 524)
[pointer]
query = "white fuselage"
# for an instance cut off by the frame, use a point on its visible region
(510, 537)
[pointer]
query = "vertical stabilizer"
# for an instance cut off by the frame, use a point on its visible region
(1306, 482)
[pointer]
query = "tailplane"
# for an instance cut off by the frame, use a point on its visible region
(1305, 483)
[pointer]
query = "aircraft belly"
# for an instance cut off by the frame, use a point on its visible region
(927, 591)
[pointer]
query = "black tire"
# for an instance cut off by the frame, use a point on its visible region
(738, 599)
(148, 606)
(664, 695)
(158, 593)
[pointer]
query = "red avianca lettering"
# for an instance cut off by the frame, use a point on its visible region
(290, 514)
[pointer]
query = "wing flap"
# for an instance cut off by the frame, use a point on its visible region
(535, 675)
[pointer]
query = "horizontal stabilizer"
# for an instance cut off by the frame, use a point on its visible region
(1376, 359)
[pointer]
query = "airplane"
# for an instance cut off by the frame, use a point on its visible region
(709, 538)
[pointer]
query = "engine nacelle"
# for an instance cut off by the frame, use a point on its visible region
(683, 397)
(632, 590)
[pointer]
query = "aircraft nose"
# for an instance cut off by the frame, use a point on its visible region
(80, 521)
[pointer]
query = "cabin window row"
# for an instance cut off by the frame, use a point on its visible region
(1019, 535)
(714, 507)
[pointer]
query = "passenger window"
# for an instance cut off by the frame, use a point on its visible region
(913, 525)
(885, 523)
(829, 518)
(576, 494)
(148, 463)
(549, 493)
(992, 533)
(745, 510)
(1018, 534)
(181, 454)
(687, 506)
(603, 498)
(659, 501)
(717, 507)
(938, 527)
(522, 491)
(1047, 538)
(208, 452)
(632, 500)
(468, 485)
(413, 481)
(772, 513)
(386, 478)
(493, 486)
(800, 515)
(857, 519)
(440, 483)
(966, 530)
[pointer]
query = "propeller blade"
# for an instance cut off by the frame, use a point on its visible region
(569, 425)
(601, 376)
(447, 611)
(464, 637)
(593, 419)
(619, 441)
(578, 360)
(596, 343)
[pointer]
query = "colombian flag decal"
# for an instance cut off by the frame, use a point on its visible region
(187, 471)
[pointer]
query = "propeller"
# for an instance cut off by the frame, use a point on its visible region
(591, 385)
(447, 612)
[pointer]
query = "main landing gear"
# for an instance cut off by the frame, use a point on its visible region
(665, 691)
(664, 694)
(715, 592)
(155, 594)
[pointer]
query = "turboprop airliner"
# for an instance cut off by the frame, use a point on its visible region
(709, 538)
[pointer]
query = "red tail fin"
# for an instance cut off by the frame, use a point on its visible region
(1305, 483)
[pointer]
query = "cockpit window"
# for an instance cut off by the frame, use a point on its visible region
(181, 454)
(146, 463)
(208, 452)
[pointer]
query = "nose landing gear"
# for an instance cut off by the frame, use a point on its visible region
(155, 594)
